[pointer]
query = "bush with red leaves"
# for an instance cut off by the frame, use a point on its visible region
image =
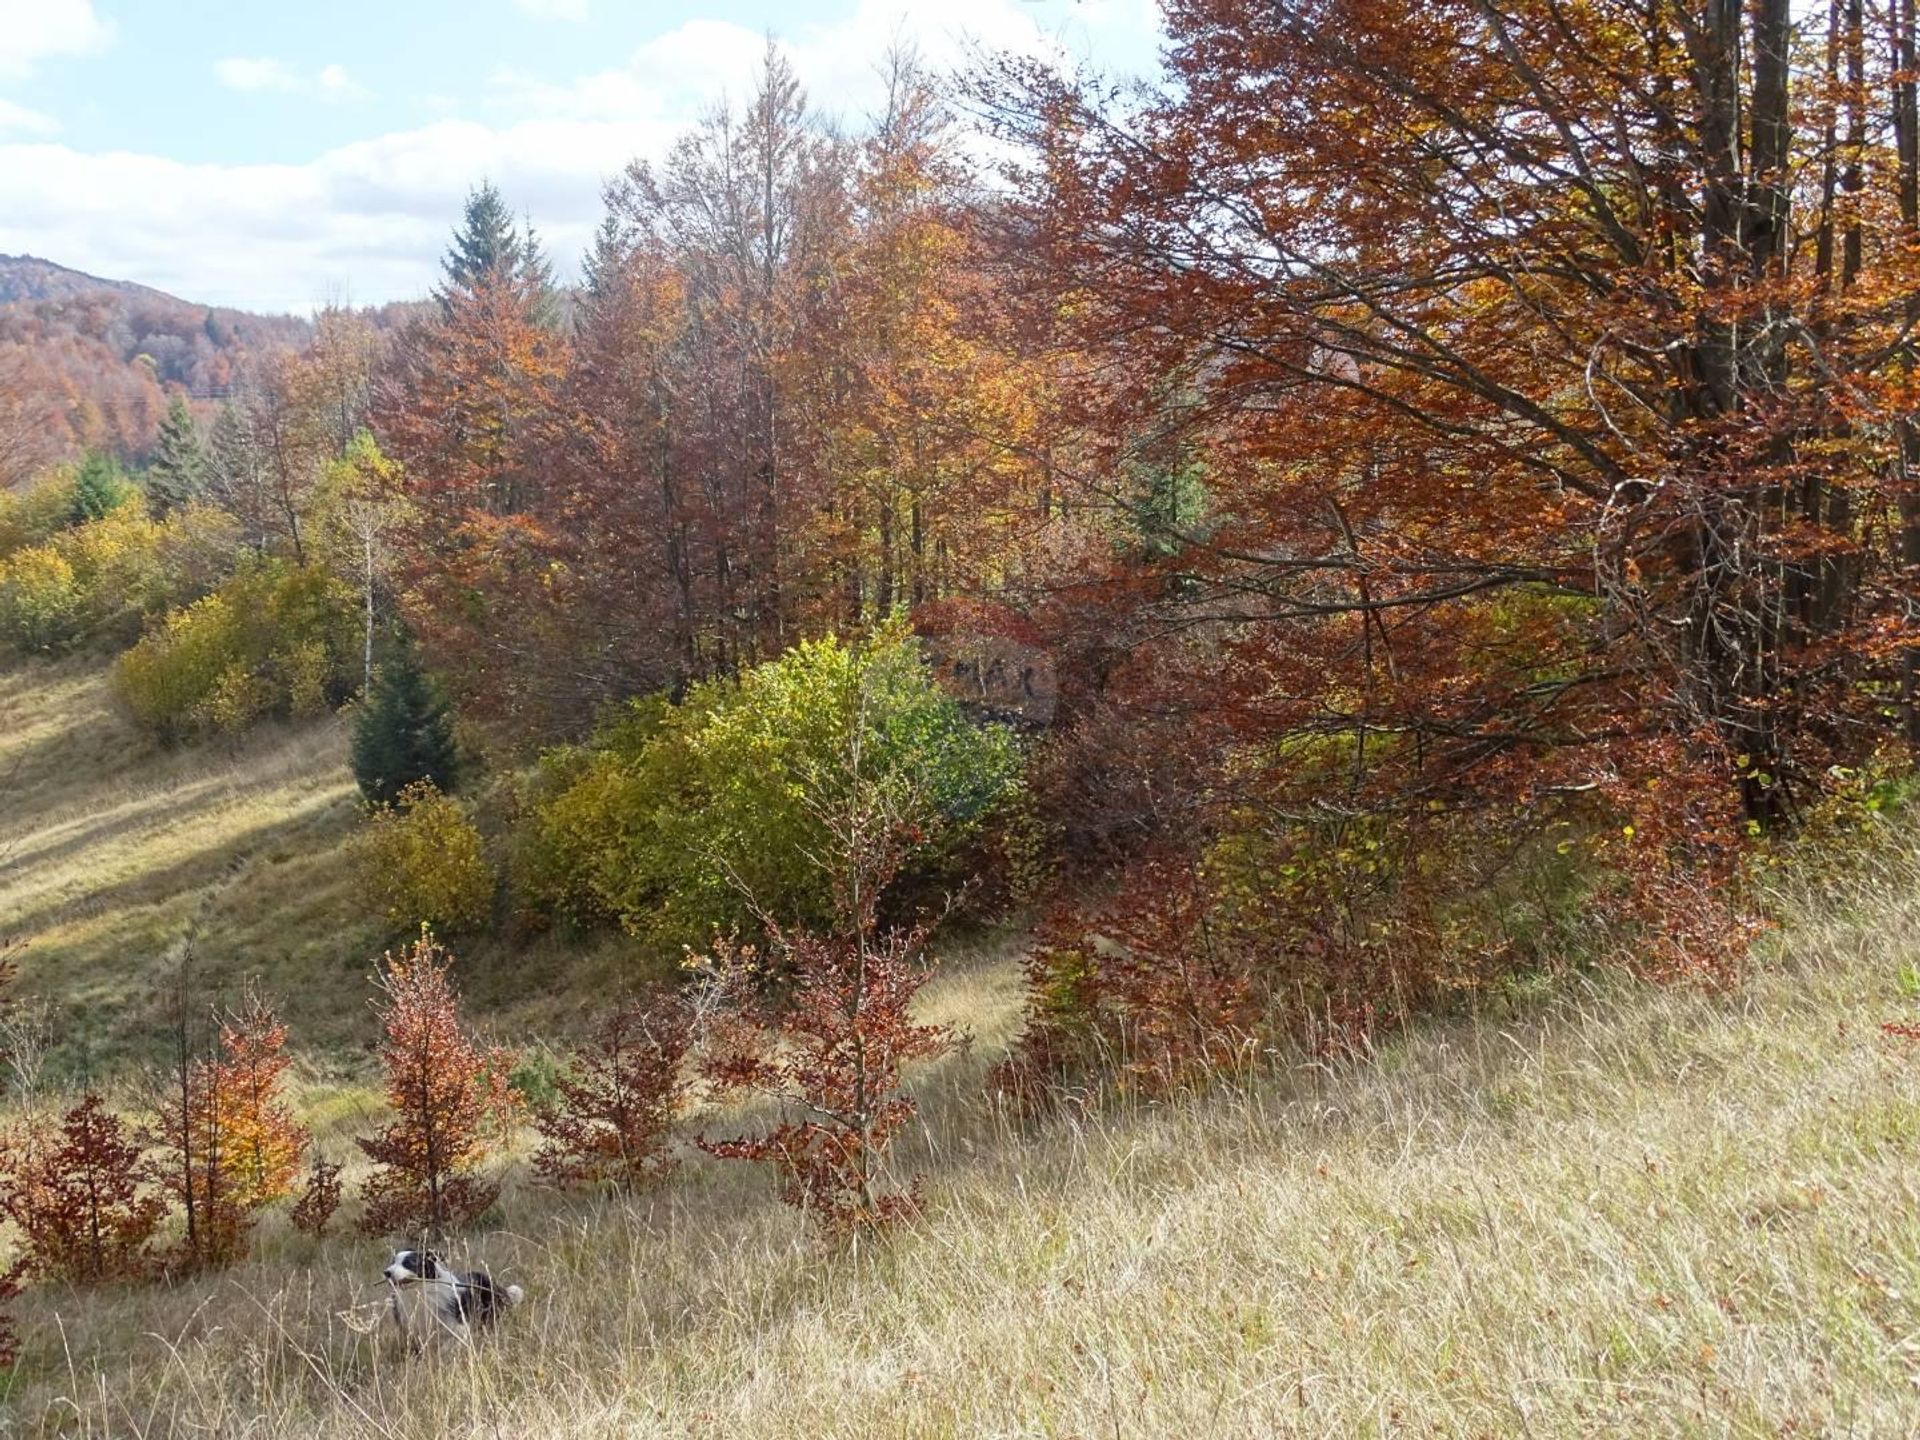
(314, 1209)
(611, 1122)
(828, 1046)
(830, 1057)
(443, 1090)
(76, 1192)
(1144, 990)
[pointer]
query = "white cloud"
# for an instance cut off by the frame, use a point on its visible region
(334, 82)
(373, 217)
(35, 30)
(701, 61)
(17, 119)
(239, 73)
(259, 74)
(575, 10)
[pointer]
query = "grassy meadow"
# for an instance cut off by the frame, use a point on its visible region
(114, 849)
(1608, 1209)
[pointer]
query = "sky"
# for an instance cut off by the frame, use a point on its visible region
(280, 154)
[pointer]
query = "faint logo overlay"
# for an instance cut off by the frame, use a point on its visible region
(989, 657)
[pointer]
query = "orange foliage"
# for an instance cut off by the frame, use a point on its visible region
(611, 1122)
(442, 1090)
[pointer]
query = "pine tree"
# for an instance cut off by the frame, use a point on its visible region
(486, 244)
(404, 732)
(99, 489)
(178, 473)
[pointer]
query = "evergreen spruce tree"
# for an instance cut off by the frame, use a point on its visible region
(487, 243)
(404, 731)
(536, 277)
(234, 470)
(100, 488)
(178, 474)
(601, 268)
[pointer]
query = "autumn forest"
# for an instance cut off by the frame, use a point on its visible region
(1395, 525)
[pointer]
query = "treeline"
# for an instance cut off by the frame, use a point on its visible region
(786, 403)
(89, 365)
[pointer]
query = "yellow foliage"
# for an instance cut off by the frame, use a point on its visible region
(38, 598)
(425, 862)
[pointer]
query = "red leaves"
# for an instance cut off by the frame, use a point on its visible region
(830, 1058)
(314, 1209)
(9, 1337)
(612, 1121)
(439, 1086)
(1142, 990)
(78, 1196)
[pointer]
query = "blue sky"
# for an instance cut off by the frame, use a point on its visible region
(275, 154)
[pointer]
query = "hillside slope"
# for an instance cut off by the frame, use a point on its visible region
(114, 850)
(94, 362)
(1619, 1211)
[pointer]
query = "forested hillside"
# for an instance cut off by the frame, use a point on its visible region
(1242, 717)
(92, 365)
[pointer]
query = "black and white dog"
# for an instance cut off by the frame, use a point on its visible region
(428, 1299)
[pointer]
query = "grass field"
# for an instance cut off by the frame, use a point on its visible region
(1616, 1210)
(112, 850)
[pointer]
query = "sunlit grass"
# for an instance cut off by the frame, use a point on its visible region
(1629, 1211)
(113, 851)
(1606, 1209)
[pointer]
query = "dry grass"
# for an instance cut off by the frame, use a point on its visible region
(1627, 1211)
(112, 847)
(1617, 1211)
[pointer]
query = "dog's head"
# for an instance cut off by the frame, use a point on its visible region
(410, 1267)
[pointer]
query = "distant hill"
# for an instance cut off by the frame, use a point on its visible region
(96, 361)
(28, 277)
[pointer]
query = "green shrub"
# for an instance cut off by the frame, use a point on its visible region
(39, 599)
(424, 861)
(308, 671)
(275, 639)
(677, 814)
(37, 513)
(237, 699)
(166, 677)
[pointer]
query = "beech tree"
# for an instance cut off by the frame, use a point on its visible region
(25, 435)
(427, 1178)
(227, 1141)
(829, 1051)
(314, 1210)
(76, 1191)
(611, 1121)
(1555, 403)
(264, 1145)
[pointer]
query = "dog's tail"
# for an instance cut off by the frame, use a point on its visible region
(515, 1295)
